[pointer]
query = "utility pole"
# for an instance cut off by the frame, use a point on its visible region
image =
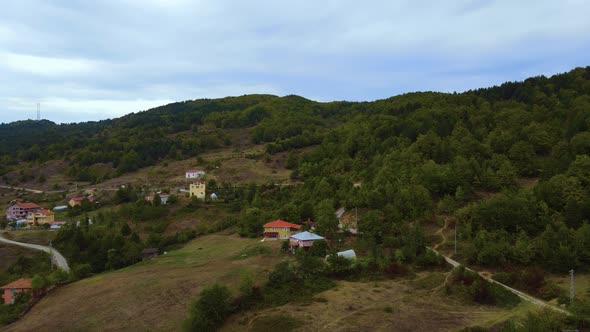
(571, 286)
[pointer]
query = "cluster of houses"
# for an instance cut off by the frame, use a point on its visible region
(283, 230)
(198, 187)
(31, 214)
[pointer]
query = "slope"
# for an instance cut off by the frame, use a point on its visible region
(153, 294)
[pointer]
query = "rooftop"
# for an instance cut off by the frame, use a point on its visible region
(22, 283)
(28, 205)
(281, 223)
(306, 236)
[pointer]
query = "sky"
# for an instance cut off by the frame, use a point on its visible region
(92, 60)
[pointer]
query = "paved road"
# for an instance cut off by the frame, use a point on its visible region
(58, 259)
(518, 293)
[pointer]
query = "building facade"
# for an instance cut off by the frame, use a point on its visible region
(19, 211)
(194, 173)
(40, 217)
(279, 230)
(198, 190)
(10, 291)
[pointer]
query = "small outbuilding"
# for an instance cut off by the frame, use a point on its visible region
(350, 254)
(148, 253)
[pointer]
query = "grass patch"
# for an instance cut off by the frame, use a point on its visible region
(254, 250)
(432, 280)
(276, 323)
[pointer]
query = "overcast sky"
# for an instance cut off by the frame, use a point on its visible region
(91, 60)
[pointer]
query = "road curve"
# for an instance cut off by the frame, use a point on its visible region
(57, 258)
(518, 293)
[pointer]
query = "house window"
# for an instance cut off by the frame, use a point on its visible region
(273, 228)
(286, 229)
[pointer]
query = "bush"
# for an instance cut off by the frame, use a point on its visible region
(209, 311)
(81, 271)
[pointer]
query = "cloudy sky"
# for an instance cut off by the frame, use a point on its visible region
(90, 60)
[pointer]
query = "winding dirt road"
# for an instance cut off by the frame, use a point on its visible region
(57, 258)
(518, 293)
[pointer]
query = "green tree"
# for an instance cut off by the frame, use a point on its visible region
(209, 311)
(326, 221)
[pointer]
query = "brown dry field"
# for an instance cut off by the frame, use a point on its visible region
(152, 295)
(392, 305)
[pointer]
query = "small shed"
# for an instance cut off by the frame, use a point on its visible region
(60, 208)
(148, 253)
(304, 239)
(350, 254)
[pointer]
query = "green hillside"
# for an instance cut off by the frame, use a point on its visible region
(506, 166)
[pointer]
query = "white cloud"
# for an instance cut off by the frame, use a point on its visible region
(46, 66)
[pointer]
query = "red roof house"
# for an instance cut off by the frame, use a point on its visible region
(78, 200)
(10, 291)
(279, 230)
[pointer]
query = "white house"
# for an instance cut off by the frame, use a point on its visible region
(194, 173)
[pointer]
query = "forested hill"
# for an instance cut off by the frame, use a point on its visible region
(539, 113)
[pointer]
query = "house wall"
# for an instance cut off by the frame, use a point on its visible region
(284, 232)
(8, 295)
(198, 190)
(299, 243)
(14, 212)
(74, 203)
(40, 218)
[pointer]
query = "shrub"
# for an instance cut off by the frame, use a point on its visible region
(209, 311)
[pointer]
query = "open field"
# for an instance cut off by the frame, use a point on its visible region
(41, 237)
(152, 295)
(391, 305)
(581, 284)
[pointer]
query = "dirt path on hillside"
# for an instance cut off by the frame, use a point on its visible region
(441, 232)
(57, 258)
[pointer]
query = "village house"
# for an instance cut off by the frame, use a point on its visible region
(20, 210)
(197, 189)
(194, 173)
(76, 201)
(163, 198)
(279, 230)
(304, 239)
(40, 217)
(10, 291)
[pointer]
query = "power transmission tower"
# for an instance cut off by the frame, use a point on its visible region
(38, 111)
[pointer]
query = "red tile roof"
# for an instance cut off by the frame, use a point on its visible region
(81, 198)
(281, 223)
(28, 206)
(45, 212)
(23, 283)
